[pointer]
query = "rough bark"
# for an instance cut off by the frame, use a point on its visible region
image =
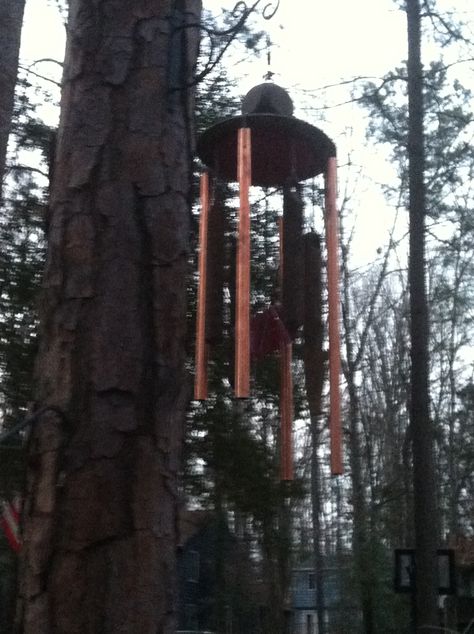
(424, 482)
(11, 20)
(100, 516)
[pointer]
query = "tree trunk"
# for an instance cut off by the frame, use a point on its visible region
(11, 20)
(314, 366)
(292, 292)
(363, 565)
(423, 459)
(101, 510)
(316, 512)
(362, 556)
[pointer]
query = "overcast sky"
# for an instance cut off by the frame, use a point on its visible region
(315, 44)
(320, 42)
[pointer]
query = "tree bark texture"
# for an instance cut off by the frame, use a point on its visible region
(424, 482)
(101, 509)
(11, 21)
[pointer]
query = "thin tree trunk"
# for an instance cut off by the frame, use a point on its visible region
(314, 365)
(453, 523)
(362, 535)
(101, 510)
(316, 510)
(423, 459)
(360, 529)
(11, 21)
(284, 557)
(292, 291)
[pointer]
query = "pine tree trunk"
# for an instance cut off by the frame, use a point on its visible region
(101, 510)
(11, 21)
(423, 458)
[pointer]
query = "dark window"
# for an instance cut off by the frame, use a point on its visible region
(311, 581)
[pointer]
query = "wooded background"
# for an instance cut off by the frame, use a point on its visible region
(107, 205)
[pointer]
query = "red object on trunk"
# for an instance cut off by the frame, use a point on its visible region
(10, 523)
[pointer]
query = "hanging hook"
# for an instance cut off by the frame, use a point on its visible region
(270, 9)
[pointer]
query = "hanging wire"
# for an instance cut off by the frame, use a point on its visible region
(30, 419)
(313, 204)
(269, 74)
(270, 9)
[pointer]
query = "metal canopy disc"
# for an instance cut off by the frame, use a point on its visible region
(285, 150)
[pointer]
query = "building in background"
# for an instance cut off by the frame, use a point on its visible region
(218, 588)
(337, 599)
(459, 609)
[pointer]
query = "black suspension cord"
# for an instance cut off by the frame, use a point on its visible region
(30, 419)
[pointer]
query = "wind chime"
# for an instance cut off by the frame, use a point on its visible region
(266, 146)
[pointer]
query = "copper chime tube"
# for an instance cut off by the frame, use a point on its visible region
(200, 383)
(333, 303)
(286, 388)
(242, 290)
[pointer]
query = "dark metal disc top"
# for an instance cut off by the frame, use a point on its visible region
(285, 150)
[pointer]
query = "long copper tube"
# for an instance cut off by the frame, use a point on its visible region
(286, 412)
(200, 381)
(333, 302)
(242, 291)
